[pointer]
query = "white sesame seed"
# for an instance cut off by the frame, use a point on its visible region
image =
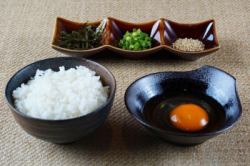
(188, 44)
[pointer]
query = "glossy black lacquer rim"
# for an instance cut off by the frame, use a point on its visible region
(212, 133)
(110, 98)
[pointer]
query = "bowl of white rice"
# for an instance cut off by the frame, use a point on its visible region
(61, 100)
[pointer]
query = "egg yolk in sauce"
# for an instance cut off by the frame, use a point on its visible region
(189, 117)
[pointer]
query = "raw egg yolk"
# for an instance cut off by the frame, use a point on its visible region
(189, 117)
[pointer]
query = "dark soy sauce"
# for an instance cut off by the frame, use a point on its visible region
(156, 111)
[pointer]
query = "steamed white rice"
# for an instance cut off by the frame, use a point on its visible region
(61, 95)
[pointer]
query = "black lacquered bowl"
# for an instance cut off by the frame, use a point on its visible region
(224, 107)
(68, 130)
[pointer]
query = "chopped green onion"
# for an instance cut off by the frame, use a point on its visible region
(135, 40)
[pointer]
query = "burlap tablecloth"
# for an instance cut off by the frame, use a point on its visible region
(26, 28)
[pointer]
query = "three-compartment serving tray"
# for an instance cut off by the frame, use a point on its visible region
(163, 32)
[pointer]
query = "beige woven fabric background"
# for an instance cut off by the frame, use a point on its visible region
(26, 28)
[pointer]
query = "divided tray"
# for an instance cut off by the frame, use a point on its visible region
(163, 31)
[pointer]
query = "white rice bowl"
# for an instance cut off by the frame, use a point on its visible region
(61, 95)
